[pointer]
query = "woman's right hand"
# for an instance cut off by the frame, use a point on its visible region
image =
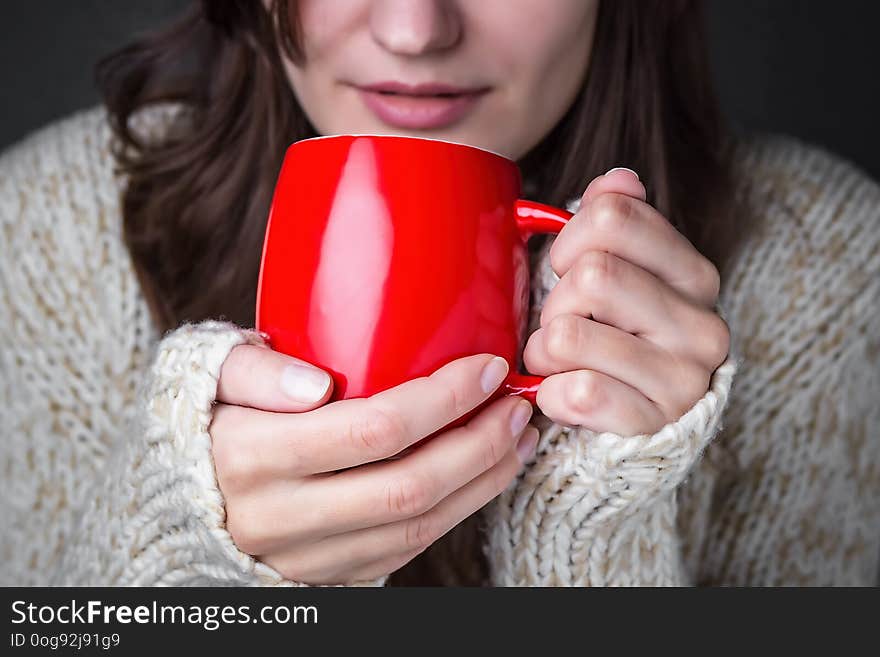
(309, 488)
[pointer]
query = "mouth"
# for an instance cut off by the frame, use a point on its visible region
(422, 106)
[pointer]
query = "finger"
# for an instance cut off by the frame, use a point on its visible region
(384, 566)
(361, 552)
(357, 431)
(351, 432)
(420, 532)
(572, 343)
(617, 181)
(315, 565)
(384, 492)
(634, 231)
(613, 291)
(598, 402)
(258, 377)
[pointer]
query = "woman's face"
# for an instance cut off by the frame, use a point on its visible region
(498, 74)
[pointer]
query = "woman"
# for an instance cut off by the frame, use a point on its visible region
(152, 438)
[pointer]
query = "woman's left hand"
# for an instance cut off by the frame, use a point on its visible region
(629, 337)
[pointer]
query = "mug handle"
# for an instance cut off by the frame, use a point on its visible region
(532, 218)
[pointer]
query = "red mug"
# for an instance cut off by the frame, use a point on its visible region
(386, 257)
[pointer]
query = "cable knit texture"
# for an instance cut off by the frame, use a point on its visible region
(106, 456)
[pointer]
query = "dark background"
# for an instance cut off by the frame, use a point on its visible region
(803, 67)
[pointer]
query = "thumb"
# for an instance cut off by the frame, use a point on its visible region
(258, 377)
(616, 181)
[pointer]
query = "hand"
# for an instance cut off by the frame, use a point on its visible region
(308, 487)
(629, 338)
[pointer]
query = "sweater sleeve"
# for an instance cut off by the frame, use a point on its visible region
(790, 495)
(599, 509)
(108, 476)
(156, 515)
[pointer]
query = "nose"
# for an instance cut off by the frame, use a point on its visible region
(415, 27)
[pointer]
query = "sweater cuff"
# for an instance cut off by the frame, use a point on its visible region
(582, 486)
(594, 476)
(180, 401)
(586, 495)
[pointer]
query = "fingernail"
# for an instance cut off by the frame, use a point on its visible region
(623, 169)
(525, 448)
(304, 383)
(520, 417)
(493, 374)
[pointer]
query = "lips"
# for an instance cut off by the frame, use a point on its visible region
(424, 106)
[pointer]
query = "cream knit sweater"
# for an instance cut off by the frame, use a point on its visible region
(107, 476)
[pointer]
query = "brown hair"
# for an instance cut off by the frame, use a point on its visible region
(196, 202)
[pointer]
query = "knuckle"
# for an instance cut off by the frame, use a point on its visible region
(244, 362)
(407, 496)
(593, 271)
(502, 478)
(294, 573)
(718, 342)
(693, 385)
(290, 459)
(585, 395)
(542, 317)
(378, 431)
(699, 384)
(451, 402)
(610, 212)
(298, 572)
(421, 532)
(710, 279)
(495, 448)
(298, 566)
(232, 463)
(556, 262)
(561, 336)
(235, 361)
(250, 362)
(401, 560)
(532, 351)
(384, 567)
(248, 535)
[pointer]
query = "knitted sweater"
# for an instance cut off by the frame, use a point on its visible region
(106, 456)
